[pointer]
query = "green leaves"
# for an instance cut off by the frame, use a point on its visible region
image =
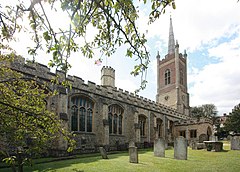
(46, 36)
(233, 120)
(206, 111)
(158, 8)
(112, 24)
(173, 5)
(26, 126)
(10, 160)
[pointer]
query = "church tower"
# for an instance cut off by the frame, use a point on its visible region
(172, 77)
(108, 76)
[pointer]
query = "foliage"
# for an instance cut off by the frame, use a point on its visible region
(233, 120)
(113, 20)
(26, 126)
(196, 111)
(206, 110)
(209, 146)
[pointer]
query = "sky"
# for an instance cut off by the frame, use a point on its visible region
(208, 30)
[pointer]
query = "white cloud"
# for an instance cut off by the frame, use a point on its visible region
(219, 83)
(85, 68)
(126, 84)
(199, 25)
(195, 22)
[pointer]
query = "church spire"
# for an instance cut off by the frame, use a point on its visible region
(171, 41)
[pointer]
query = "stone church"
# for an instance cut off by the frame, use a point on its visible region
(104, 115)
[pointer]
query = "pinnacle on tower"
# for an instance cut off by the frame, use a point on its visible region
(158, 55)
(171, 41)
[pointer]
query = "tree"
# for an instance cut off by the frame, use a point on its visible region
(206, 110)
(209, 110)
(22, 108)
(114, 21)
(233, 120)
(196, 112)
(26, 126)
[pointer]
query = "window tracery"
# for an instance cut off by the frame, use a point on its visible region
(81, 114)
(115, 115)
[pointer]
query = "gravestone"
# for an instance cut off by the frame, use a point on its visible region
(235, 143)
(180, 148)
(131, 144)
(200, 146)
(194, 145)
(133, 152)
(103, 153)
(159, 147)
(218, 146)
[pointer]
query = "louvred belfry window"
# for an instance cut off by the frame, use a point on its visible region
(167, 77)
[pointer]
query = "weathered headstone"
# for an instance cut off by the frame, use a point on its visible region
(235, 143)
(200, 146)
(103, 153)
(133, 152)
(159, 147)
(218, 146)
(180, 148)
(131, 144)
(194, 145)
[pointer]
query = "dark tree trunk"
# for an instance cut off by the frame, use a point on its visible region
(20, 162)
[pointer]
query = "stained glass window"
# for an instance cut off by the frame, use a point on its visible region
(115, 116)
(81, 113)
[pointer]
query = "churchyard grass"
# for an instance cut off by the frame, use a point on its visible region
(198, 160)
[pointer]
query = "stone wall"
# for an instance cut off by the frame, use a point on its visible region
(203, 126)
(43, 74)
(102, 96)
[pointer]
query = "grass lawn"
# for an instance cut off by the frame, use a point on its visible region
(198, 160)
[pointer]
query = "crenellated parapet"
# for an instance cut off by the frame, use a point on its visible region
(108, 76)
(168, 57)
(40, 71)
(193, 121)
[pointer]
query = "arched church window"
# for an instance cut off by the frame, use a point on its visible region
(82, 119)
(115, 115)
(89, 120)
(120, 124)
(159, 127)
(115, 124)
(142, 123)
(81, 114)
(74, 118)
(110, 122)
(167, 77)
(181, 76)
(170, 127)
